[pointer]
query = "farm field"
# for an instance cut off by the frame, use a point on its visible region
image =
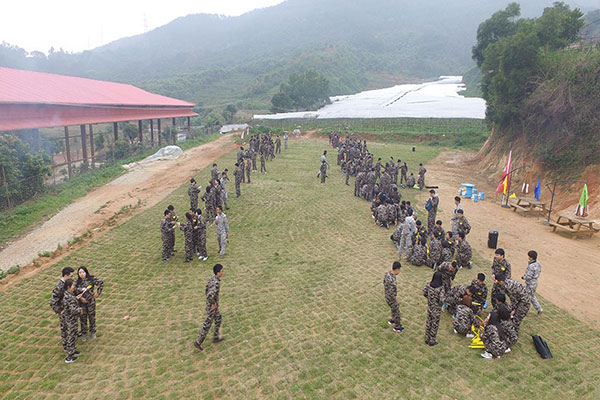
(302, 302)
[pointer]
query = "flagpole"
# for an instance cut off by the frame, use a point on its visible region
(553, 191)
(509, 181)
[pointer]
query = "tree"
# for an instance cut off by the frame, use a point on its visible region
(306, 91)
(229, 112)
(510, 62)
(500, 24)
(131, 131)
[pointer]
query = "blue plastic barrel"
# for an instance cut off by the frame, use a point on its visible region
(475, 196)
(481, 195)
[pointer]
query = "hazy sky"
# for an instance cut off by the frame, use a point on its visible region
(77, 25)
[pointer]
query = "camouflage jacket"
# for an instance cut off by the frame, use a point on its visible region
(56, 301)
(389, 284)
(212, 291)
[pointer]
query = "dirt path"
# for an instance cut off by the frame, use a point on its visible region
(141, 188)
(569, 266)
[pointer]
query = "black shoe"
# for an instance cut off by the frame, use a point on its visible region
(76, 352)
(433, 344)
(79, 334)
(197, 345)
(70, 360)
(398, 330)
(218, 340)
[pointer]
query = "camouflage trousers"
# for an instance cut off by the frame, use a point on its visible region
(430, 221)
(531, 288)
(323, 176)
(254, 165)
(405, 245)
(403, 178)
(434, 312)
(68, 330)
(222, 239)
(262, 167)
(166, 248)
(238, 191)
(248, 174)
(521, 311)
(201, 243)
(396, 319)
(462, 260)
(224, 197)
(89, 314)
(463, 319)
(210, 212)
(356, 188)
(172, 242)
(212, 315)
(189, 246)
(194, 203)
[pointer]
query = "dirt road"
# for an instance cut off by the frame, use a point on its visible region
(144, 185)
(570, 267)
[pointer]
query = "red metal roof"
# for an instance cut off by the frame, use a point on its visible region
(38, 100)
(19, 86)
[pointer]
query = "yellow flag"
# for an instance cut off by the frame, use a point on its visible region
(512, 196)
(505, 184)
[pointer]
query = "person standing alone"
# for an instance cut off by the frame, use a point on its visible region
(532, 274)
(389, 284)
(212, 308)
(222, 230)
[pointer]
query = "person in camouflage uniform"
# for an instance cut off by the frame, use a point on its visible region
(448, 248)
(421, 233)
(438, 231)
(460, 223)
(408, 230)
(212, 308)
(209, 203)
(519, 298)
(223, 183)
(248, 167)
(238, 175)
(358, 183)
(193, 192)
(277, 145)
(173, 221)
(323, 172)
(532, 274)
(433, 204)
(434, 293)
(89, 287)
(222, 230)
(410, 181)
(421, 178)
(70, 315)
(200, 236)
(454, 297)
(166, 228)
(480, 291)
(464, 252)
(435, 252)
(418, 255)
(253, 155)
(390, 288)
(493, 337)
(216, 187)
(448, 270)
(56, 301)
(463, 320)
(499, 265)
(263, 168)
(242, 166)
(403, 172)
(188, 229)
(214, 172)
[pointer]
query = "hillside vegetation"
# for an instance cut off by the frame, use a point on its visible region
(214, 60)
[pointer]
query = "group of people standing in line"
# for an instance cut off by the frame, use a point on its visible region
(444, 251)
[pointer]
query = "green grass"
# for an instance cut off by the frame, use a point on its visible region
(23, 217)
(303, 310)
(466, 134)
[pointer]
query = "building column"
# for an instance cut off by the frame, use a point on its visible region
(92, 146)
(116, 131)
(68, 150)
(152, 132)
(159, 132)
(84, 144)
(140, 131)
(189, 128)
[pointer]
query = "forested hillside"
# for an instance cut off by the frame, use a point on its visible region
(214, 60)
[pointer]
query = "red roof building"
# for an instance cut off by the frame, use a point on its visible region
(30, 100)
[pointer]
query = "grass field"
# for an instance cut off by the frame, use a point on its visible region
(20, 219)
(303, 311)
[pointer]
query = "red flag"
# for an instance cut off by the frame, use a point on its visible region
(504, 180)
